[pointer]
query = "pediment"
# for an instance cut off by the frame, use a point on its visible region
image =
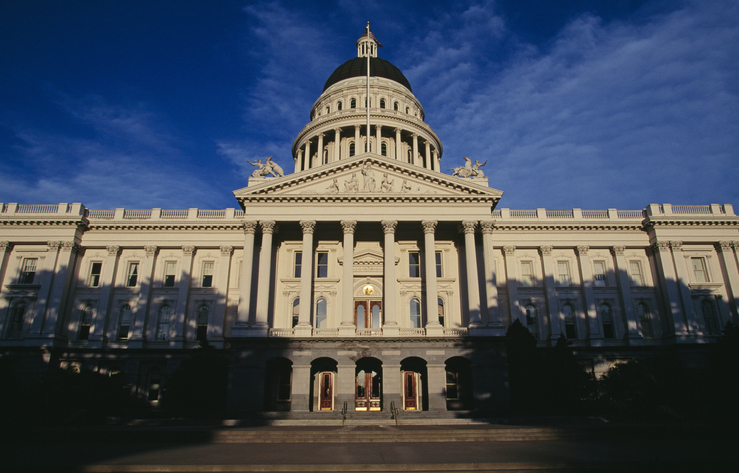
(366, 177)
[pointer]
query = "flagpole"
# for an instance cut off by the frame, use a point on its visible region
(367, 147)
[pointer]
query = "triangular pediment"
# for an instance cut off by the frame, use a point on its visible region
(366, 177)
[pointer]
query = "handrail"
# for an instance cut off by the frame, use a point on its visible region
(394, 413)
(344, 410)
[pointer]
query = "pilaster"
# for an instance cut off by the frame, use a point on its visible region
(491, 287)
(303, 329)
(97, 330)
(473, 285)
(595, 330)
(555, 326)
(261, 324)
(245, 285)
(177, 331)
(347, 327)
(390, 327)
(139, 317)
(624, 282)
(433, 327)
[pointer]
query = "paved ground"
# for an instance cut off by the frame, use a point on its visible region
(550, 446)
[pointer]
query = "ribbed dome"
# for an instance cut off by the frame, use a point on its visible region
(357, 67)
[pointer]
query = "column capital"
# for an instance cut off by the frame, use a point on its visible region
(661, 246)
(308, 226)
(429, 226)
(388, 226)
(113, 250)
(735, 244)
(53, 245)
(226, 250)
(268, 226)
(151, 250)
(469, 226)
(188, 250)
(509, 250)
(676, 245)
(5, 245)
(250, 226)
(545, 250)
(69, 246)
(618, 250)
(348, 226)
(724, 245)
(487, 227)
(582, 250)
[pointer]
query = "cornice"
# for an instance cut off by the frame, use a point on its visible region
(166, 226)
(692, 222)
(566, 226)
(41, 221)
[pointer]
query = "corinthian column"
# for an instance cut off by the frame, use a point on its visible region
(303, 329)
(433, 327)
(347, 280)
(265, 271)
(390, 328)
(247, 262)
(337, 142)
(473, 286)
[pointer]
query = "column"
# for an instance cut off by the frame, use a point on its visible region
(300, 388)
(378, 129)
(299, 160)
(433, 327)
(5, 278)
(595, 333)
(552, 303)
(427, 158)
(319, 155)
(663, 257)
(681, 267)
(183, 292)
(303, 329)
(727, 260)
(139, 317)
(414, 158)
(473, 283)
(261, 324)
(511, 269)
(247, 266)
(437, 165)
(347, 327)
(624, 283)
(357, 141)
(337, 144)
(491, 286)
(391, 327)
(398, 149)
(218, 319)
(307, 159)
(44, 292)
(60, 288)
(97, 330)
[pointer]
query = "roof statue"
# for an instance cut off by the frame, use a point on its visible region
(267, 168)
(469, 169)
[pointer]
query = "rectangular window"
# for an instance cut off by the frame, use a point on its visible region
(28, 271)
(635, 273)
(599, 273)
(298, 264)
(414, 264)
(438, 264)
(94, 279)
(563, 273)
(699, 269)
(527, 274)
(207, 274)
(132, 275)
(322, 265)
(169, 273)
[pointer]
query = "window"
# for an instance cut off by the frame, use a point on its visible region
(532, 320)
(124, 322)
(321, 313)
(563, 273)
(296, 311)
(338, 106)
(414, 264)
(635, 273)
(95, 269)
(383, 149)
(709, 317)
(365, 103)
(28, 271)
(351, 149)
(407, 110)
(599, 273)
(202, 335)
(699, 269)
(606, 316)
(15, 322)
(163, 323)
(441, 311)
(410, 156)
(569, 318)
(322, 264)
(85, 323)
(328, 110)
(207, 279)
(132, 275)
(415, 313)
(298, 264)
(645, 320)
(382, 103)
(169, 273)
(438, 264)
(527, 273)
(353, 103)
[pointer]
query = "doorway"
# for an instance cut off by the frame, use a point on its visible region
(368, 385)
(368, 314)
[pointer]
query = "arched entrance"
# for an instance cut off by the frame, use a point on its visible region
(323, 387)
(458, 384)
(368, 385)
(278, 384)
(414, 384)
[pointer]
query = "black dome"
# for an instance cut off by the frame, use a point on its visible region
(357, 67)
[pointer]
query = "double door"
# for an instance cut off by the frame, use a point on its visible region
(411, 390)
(368, 389)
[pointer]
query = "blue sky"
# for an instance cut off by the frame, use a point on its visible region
(573, 103)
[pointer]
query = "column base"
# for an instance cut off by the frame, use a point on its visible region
(434, 330)
(486, 331)
(257, 331)
(392, 330)
(347, 331)
(239, 330)
(303, 330)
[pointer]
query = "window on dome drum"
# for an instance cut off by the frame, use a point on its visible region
(207, 277)
(383, 149)
(85, 323)
(410, 156)
(124, 322)
(414, 264)
(395, 106)
(441, 311)
(296, 311)
(415, 313)
(635, 273)
(606, 316)
(568, 314)
(338, 106)
(202, 334)
(321, 313)
(351, 149)
(169, 273)
(132, 275)
(439, 272)
(563, 273)
(709, 317)
(382, 103)
(699, 269)
(28, 271)
(328, 110)
(322, 264)
(298, 265)
(532, 320)
(163, 323)
(645, 320)
(599, 274)
(407, 110)
(527, 274)
(365, 103)
(15, 321)
(353, 103)
(93, 279)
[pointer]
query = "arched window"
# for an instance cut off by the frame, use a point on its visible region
(410, 156)
(395, 106)
(441, 311)
(321, 313)
(383, 149)
(709, 317)
(407, 110)
(606, 316)
(338, 106)
(532, 320)
(85, 323)
(163, 323)
(415, 313)
(296, 311)
(328, 110)
(353, 103)
(15, 322)
(351, 149)
(645, 320)
(202, 334)
(382, 103)
(124, 322)
(568, 314)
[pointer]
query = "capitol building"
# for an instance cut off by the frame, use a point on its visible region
(364, 279)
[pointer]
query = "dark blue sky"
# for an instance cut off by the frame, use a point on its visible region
(579, 103)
